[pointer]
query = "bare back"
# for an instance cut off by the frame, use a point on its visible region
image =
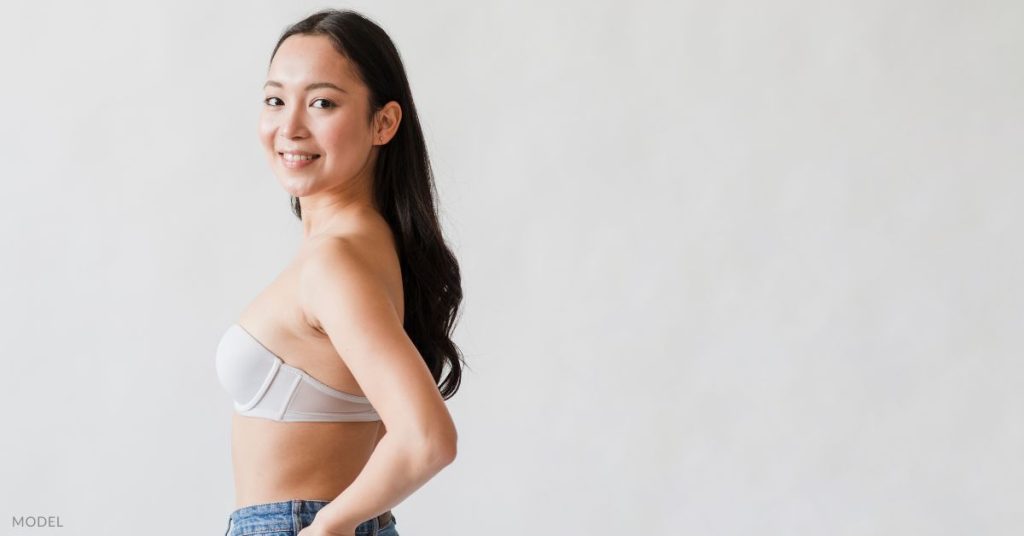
(277, 461)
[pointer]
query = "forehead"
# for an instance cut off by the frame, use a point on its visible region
(311, 58)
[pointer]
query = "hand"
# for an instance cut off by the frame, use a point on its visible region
(315, 529)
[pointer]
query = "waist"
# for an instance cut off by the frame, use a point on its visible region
(289, 515)
(275, 461)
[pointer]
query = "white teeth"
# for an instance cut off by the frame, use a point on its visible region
(293, 157)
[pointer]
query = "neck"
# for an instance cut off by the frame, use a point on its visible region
(325, 214)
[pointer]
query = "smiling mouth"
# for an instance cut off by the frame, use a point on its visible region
(298, 158)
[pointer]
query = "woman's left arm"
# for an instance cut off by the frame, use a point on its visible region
(343, 294)
(392, 473)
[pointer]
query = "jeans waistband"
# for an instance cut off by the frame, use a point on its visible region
(291, 515)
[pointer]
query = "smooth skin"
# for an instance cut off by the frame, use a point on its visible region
(337, 310)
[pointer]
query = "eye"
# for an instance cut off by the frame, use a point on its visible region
(328, 104)
(268, 98)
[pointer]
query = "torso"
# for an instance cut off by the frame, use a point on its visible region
(277, 461)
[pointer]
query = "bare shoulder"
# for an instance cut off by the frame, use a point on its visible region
(346, 295)
(348, 269)
(337, 253)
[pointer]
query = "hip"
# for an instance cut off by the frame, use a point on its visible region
(287, 518)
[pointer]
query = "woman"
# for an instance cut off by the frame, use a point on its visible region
(353, 335)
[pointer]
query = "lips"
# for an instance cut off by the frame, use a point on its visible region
(302, 154)
(296, 160)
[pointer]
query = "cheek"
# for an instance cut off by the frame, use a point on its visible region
(265, 132)
(341, 138)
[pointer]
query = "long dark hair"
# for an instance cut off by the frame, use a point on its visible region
(403, 189)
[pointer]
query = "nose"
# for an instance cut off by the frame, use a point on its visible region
(293, 123)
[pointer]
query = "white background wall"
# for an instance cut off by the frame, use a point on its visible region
(730, 267)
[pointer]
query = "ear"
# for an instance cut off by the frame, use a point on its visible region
(388, 119)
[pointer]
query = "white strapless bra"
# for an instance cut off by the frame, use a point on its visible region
(263, 385)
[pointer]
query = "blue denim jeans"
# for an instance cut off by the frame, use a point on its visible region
(287, 518)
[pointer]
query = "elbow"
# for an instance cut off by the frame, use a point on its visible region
(443, 449)
(447, 452)
(439, 449)
(430, 443)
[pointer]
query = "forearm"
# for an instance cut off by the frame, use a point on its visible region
(394, 471)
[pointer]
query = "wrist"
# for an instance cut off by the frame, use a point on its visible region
(329, 526)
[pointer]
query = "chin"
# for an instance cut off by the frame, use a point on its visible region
(293, 186)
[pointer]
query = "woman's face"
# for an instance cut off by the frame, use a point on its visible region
(315, 106)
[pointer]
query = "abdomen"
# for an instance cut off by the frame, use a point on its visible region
(278, 461)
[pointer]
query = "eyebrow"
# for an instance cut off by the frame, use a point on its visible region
(314, 85)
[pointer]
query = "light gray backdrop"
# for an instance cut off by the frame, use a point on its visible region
(730, 267)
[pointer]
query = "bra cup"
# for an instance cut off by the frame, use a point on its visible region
(263, 385)
(242, 368)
